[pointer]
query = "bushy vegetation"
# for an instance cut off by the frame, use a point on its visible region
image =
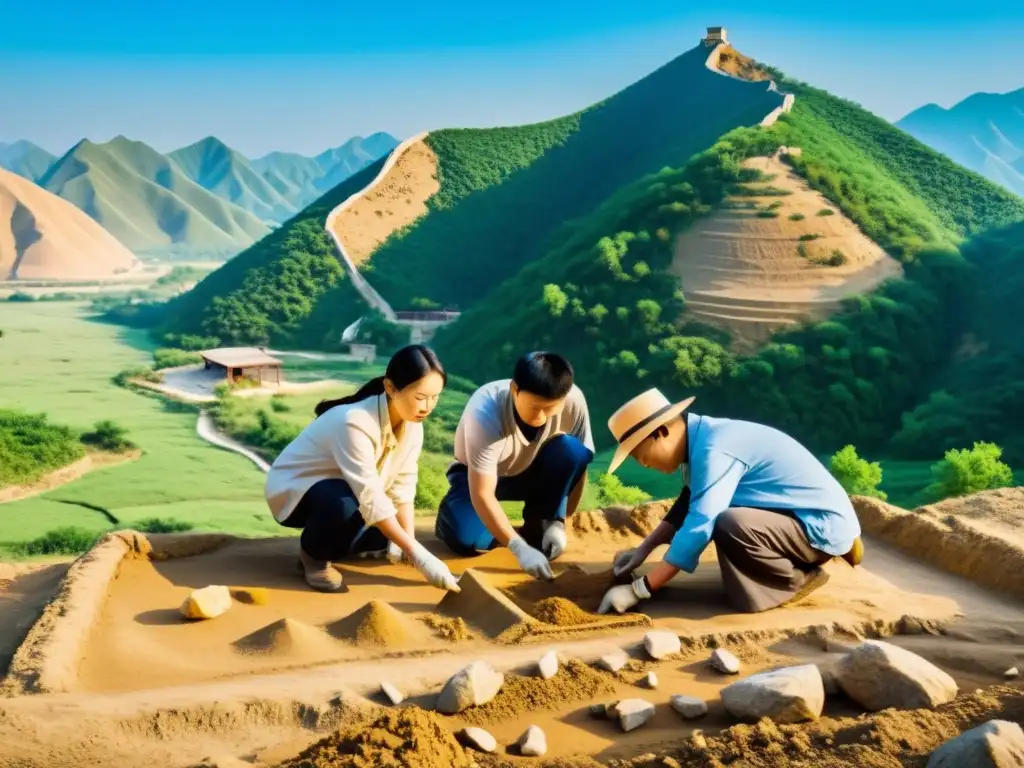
(172, 358)
(67, 540)
(110, 436)
(859, 477)
(968, 471)
(611, 490)
(30, 446)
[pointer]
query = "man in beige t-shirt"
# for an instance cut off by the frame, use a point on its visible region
(527, 439)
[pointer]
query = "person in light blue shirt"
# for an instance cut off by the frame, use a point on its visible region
(774, 512)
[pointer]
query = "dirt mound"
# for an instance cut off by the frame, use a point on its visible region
(453, 630)
(562, 612)
(405, 738)
(482, 606)
(379, 624)
(890, 739)
(618, 525)
(284, 638)
(585, 590)
(999, 512)
(575, 681)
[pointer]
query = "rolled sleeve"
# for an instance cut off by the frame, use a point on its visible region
(353, 449)
(714, 486)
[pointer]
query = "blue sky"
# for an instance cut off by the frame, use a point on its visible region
(262, 78)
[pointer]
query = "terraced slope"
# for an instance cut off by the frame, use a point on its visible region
(767, 259)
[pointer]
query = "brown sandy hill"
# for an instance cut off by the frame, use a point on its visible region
(999, 512)
(379, 624)
(43, 237)
(285, 637)
(395, 201)
(746, 269)
(618, 525)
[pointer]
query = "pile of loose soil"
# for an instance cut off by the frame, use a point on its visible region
(482, 606)
(575, 681)
(454, 630)
(285, 637)
(889, 739)
(583, 589)
(618, 524)
(380, 625)
(404, 738)
(562, 613)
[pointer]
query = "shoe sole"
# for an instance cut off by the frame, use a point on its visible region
(816, 582)
(856, 553)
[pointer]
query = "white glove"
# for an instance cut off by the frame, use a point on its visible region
(555, 540)
(395, 554)
(530, 560)
(626, 562)
(433, 569)
(624, 596)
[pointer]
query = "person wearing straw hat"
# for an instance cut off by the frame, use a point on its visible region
(774, 512)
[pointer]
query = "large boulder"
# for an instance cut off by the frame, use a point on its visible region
(788, 695)
(878, 675)
(995, 744)
(471, 686)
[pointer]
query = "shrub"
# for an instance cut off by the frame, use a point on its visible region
(172, 358)
(20, 296)
(162, 525)
(835, 259)
(858, 476)
(775, 204)
(611, 490)
(826, 212)
(968, 471)
(190, 342)
(30, 447)
(109, 436)
(801, 250)
(809, 236)
(767, 214)
(797, 217)
(69, 540)
(279, 405)
(143, 372)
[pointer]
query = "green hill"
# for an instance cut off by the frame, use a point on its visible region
(146, 201)
(984, 132)
(216, 167)
(25, 159)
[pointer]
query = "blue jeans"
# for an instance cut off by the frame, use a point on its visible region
(332, 527)
(545, 486)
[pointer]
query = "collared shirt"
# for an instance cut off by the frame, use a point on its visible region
(488, 440)
(741, 464)
(355, 443)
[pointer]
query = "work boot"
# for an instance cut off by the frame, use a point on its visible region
(815, 580)
(319, 573)
(856, 553)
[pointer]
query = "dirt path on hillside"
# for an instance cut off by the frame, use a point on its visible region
(24, 589)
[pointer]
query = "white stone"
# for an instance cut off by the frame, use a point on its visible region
(614, 661)
(633, 713)
(995, 744)
(878, 675)
(533, 743)
(689, 706)
(725, 662)
(207, 603)
(1011, 673)
(479, 739)
(651, 680)
(788, 695)
(548, 665)
(471, 686)
(661, 643)
(394, 695)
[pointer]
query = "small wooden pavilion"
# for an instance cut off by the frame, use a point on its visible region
(244, 363)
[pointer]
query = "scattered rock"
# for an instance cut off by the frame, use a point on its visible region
(788, 695)
(1011, 673)
(689, 706)
(725, 662)
(471, 686)
(878, 675)
(478, 739)
(393, 695)
(207, 603)
(671, 762)
(828, 679)
(651, 680)
(633, 713)
(614, 661)
(533, 743)
(995, 744)
(603, 711)
(548, 665)
(661, 643)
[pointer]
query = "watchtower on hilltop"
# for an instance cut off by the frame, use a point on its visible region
(715, 36)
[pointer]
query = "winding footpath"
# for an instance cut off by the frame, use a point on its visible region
(208, 431)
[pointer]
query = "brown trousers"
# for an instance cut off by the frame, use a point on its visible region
(764, 556)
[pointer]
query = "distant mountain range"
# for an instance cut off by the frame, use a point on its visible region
(984, 132)
(206, 197)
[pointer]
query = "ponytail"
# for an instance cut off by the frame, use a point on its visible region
(372, 388)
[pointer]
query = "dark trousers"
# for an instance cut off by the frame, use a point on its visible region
(764, 556)
(332, 527)
(545, 486)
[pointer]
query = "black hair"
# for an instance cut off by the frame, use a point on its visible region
(544, 374)
(407, 366)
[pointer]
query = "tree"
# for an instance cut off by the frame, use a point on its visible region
(611, 490)
(968, 471)
(859, 477)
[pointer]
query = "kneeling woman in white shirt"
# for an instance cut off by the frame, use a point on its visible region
(349, 479)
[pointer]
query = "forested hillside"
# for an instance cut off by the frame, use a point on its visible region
(602, 295)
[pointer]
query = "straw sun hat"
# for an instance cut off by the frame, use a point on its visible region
(636, 420)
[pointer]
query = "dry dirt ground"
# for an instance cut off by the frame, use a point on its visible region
(264, 681)
(396, 201)
(744, 272)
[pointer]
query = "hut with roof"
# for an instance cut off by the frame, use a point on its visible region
(243, 363)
